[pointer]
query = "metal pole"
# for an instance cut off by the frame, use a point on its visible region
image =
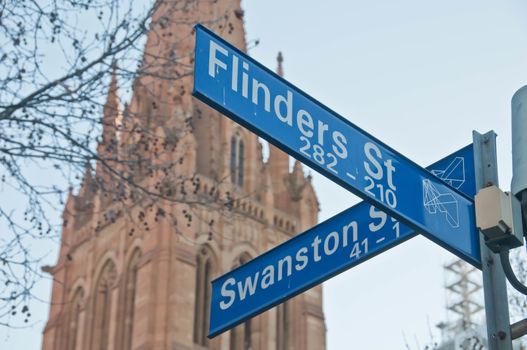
(494, 285)
(519, 149)
(519, 329)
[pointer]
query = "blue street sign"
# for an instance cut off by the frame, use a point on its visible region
(250, 94)
(335, 245)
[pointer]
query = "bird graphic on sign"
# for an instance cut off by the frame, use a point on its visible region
(445, 203)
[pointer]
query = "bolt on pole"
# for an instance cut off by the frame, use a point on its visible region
(494, 284)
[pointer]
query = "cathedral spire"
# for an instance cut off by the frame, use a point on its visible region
(278, 162)
(296, 181)
(173, 145)
(279, 60)
(69, 208)
(111, 112)
(112, 117)
(298, 172)
(88, 185)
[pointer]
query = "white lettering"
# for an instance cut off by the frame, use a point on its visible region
(321, 129)
(267, 95)
(281, 262)
(390, 169)
(227, 293)
(268, 277)
(303, 118)
(213, 60)
(245, 80)
(249, 285)
(335, 236)
(234, 82)
(316, 242)
(301, 257)
(377, 214)
(233, 290)
(288, 117)
(340, 144)
(377, 172)
(345, 230)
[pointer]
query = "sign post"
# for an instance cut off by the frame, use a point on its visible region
(401, 197)
(494, 285)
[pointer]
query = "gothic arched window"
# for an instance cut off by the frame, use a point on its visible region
(241, 338)
(129, 292)
(73, 319)
(237, 160)
(204, 271)
(102, 306)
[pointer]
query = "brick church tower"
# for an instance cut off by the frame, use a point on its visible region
(135, 273)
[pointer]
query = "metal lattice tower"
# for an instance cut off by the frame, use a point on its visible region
(463, 298)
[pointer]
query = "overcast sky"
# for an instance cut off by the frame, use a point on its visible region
(418, 75)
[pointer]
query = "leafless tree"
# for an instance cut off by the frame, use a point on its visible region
(58, 60)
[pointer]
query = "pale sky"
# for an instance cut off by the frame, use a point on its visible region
(418, 75)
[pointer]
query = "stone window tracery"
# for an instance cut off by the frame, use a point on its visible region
(204, 270)
(72, 333)
(237, 159)
(102, 306)
(129, 294)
